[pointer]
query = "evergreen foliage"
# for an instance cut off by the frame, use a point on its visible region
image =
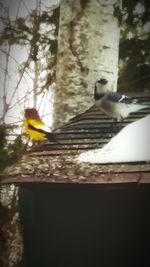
(134, 52)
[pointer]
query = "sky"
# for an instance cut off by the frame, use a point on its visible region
(26, 6)
(18, 55)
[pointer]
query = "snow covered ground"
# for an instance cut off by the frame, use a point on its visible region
(131, 144)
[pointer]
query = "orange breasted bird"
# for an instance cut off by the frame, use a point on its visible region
(35, 128)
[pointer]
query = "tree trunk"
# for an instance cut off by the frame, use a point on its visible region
(88, 46)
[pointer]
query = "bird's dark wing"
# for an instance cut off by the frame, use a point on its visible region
(118, 98)
(48, 135)
(31, 127)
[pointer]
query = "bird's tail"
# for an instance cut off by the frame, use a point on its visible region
(51, 137)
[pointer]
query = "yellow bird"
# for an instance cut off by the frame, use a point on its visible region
(35, 128)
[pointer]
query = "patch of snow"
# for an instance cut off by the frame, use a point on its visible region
(131, 144)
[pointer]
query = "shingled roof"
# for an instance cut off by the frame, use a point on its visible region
(51, 162)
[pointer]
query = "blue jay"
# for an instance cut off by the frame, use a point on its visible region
(113, 104)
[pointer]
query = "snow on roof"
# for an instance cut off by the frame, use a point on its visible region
(131, 144)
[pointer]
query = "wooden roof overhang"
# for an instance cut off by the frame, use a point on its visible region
(55, 163)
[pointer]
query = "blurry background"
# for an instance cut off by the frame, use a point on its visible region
(28, 44)
(28, 48)
(28, 53)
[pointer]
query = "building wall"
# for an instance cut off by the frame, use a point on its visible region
(85, 225)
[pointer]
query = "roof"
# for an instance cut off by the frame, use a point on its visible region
(91, 129)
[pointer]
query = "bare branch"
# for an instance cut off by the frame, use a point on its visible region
(20, 65)
(21, 76)
(5, 104)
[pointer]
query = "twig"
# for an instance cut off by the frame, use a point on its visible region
(5, 104)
